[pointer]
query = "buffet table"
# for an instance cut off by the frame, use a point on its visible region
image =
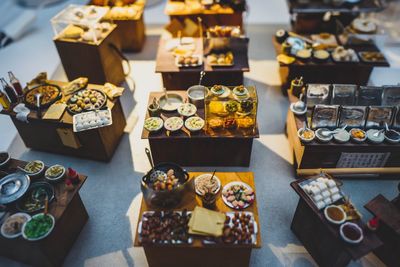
(182, 78)
(310, 158)
(198, 149)
(70, 218)
(329, 71)
(322, 239)
(197, 253)
(210, 17)
(388, 230)
(130, 28)
(58, 136)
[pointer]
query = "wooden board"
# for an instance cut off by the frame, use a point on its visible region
(70, 215)
(386, 211)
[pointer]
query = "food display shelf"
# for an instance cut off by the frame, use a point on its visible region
(318, 6)
(70, 217)
(198, 252)
(199, 149)
(314, 157)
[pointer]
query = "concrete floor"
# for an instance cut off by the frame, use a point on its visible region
(112, 193)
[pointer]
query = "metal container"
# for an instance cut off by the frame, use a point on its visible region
(165, 198)
(391, 96)
(353, 117)
(325, 116)
(343, 94)
(369, 96)
(318, 94)
(197, 94)
(379, 116)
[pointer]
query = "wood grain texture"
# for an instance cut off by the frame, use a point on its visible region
(70, 215)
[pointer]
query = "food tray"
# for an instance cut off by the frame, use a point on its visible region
(92, 116)
(309, 181)
(366, 60)
(231, 214)
(57, 96)
(221, 65)
(101, 106)
(173, 242)
(200, 62)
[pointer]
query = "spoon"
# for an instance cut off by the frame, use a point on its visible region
(39, 112)
(327, 133)
(377, 133)
(300, 105)
(202, 74)
(166, 95)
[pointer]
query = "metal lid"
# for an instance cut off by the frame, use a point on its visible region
(13, 186)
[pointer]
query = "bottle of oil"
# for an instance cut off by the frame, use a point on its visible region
(15, 83)
(12, 95)
(4, 100)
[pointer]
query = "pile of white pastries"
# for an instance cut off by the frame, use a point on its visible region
(323, 192)
(92, 119)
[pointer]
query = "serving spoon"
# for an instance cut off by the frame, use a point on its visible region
(327, 133)
(300, 105)
(202, 74)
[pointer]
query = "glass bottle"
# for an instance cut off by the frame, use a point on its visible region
(4, 100)
(12, 95)
(15, 83)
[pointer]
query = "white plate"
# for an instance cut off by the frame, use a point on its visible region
(229, 204)
(199, 62)
(156, 129)
(27, 216)
(207, 175)
(193, 107)
(43, 236)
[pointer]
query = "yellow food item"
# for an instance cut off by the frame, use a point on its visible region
(245, 122)
(216, 107)
(358, 134)
(284, 59)
(215, 123)
(73, 32)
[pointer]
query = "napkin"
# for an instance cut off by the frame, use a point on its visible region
(22, 112)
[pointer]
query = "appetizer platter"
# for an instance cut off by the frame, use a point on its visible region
(240, 228)
(91, 120)
(237, 195)
(188, 61)
(221, 60)
(86, 100)
(38, 227)
(12, 226)
(164, 228)
(48, 94)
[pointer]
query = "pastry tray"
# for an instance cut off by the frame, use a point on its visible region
(231, 214)
(96, 113)
(173, 242)
(200, 62)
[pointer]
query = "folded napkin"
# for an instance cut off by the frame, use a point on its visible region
(22, 112)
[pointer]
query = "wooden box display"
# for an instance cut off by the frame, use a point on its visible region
(197, 254)
(199, 149)
(182, 78)
(57, 136)
(130, 29)
(99, 62)
(372, 160)
(70, 215)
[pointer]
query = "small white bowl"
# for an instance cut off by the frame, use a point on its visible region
(194, 129)
(331, 219)
(357, 228)
(160, 126)
(321, 138)
(297, 112)
(57, 178)
(181, 110)
(166, 126)
(35, 174)
(304, 140)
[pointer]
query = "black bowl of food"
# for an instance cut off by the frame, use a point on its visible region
(35, 198)
(4, 159)
(164, 185)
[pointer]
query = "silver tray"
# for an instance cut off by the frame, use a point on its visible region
(13, 187)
